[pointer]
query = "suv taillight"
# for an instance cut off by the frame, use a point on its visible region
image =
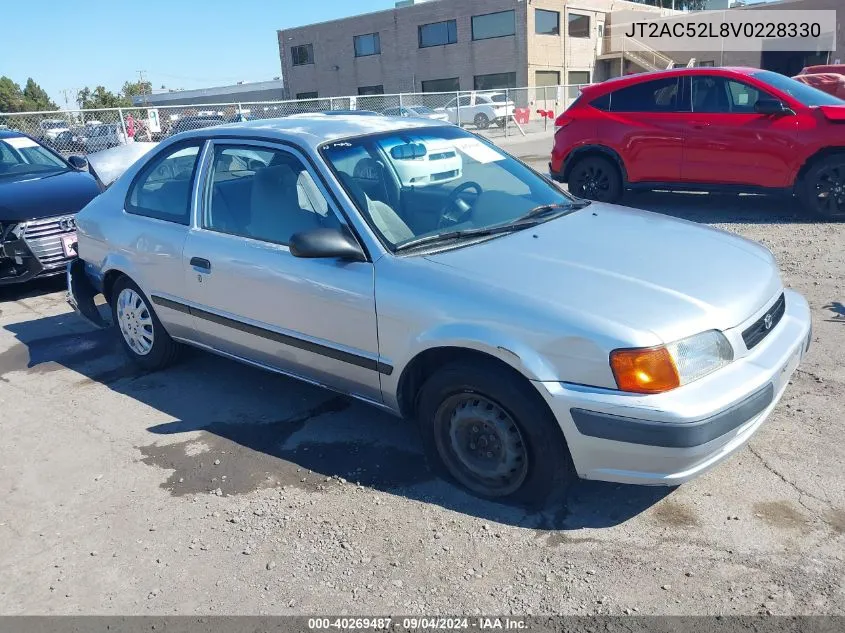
(561, 122)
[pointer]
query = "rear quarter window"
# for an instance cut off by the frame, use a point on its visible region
(599, 103)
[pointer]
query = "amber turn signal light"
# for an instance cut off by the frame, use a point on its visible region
(644, 370)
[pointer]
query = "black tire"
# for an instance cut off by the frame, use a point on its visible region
(481, 121)
(822, 190)
(596, 178)
(547, 470)
(164, 350)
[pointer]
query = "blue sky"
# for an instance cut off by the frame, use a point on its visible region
(178, 43)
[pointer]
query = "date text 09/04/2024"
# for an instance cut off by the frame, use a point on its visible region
(416, 623)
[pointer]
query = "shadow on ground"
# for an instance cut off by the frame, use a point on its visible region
(714, 208)
(236, 429)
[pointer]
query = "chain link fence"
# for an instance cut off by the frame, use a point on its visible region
(492, 113)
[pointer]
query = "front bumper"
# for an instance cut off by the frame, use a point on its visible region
(670, 438)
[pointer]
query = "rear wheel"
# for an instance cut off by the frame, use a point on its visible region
(486, 430)
(143, 336)
(482, 122)
(823, 187)
(596, 178)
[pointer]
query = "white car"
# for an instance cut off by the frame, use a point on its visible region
(417, 111)
(479, 109)
(430, 162)
(51, 128)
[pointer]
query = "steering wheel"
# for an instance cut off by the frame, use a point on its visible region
(456, 210)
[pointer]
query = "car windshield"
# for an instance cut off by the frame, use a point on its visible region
(440, 182)
(807, 95)
(20, 155)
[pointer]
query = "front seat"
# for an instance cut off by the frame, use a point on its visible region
(274, 206)
(385, 219)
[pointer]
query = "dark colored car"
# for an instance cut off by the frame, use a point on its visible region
(69, 141)
(40, 193)
(706, 129)
(197, 122)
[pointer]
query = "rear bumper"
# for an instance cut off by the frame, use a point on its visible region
(670, 438)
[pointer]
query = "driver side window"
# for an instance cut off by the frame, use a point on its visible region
(264, 194)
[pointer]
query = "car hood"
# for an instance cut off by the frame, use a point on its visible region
(643, 271)
(33, 197)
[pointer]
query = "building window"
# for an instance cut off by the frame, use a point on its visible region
(438, 33)
(306, 95)
(546, 78)
(579, 25)
(496, 81)
(708, 62)
(371, 90)
(301, 55)
(577, 78)
(366, 45)
(546, 22)
(499, 24)
(441, 85)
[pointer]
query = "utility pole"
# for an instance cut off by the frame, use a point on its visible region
(141, 80)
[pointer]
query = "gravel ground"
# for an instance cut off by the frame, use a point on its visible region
(216, 488)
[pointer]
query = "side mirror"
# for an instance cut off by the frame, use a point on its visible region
(326, 243)
(772, 107)
(79, 163)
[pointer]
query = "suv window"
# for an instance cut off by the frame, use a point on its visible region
(265, 194)
(744, 97)
(659, 95)
(163, 189)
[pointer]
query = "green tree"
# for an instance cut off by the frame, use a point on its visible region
(11, 96)
(100, 98)
(36, 98)
(136, 89)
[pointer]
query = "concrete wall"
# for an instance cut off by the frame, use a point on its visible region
(402, 65)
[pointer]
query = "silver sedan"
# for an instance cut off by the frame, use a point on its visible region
(417, 267)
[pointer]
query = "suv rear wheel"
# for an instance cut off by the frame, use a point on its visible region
(823, 187)
(485, 430)
(482, 122)
(595, 178)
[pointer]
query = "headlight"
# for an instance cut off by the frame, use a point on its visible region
(659, 369)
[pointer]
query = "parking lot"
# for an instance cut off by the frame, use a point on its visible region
(213, 487)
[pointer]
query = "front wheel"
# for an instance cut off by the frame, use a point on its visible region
(143, 336)
(483, 428)
(823, 188)
(596, 178)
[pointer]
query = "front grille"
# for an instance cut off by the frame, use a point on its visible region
(761, 327)
(44, 239)
(441, 155)
(443, 175)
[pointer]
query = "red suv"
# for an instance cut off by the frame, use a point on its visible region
(710, 129)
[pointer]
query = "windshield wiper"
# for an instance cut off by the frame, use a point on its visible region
(556, 207)
(450, 236)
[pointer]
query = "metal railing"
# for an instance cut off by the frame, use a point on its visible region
(493, 113)
(641, 54)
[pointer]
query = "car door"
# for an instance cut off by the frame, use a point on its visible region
(646, 128)
(727, 142)
(154, 228)
(313, 318)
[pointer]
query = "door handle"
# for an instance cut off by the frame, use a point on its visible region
(699, 124)
(201, 263)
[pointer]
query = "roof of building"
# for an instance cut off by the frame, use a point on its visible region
(314, 130)
(158, 98)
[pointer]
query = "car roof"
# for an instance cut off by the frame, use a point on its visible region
(10, 133)
(312, 130)
(628, 80)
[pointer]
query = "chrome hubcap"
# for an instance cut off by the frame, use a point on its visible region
(135, 322)
(485, 447)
